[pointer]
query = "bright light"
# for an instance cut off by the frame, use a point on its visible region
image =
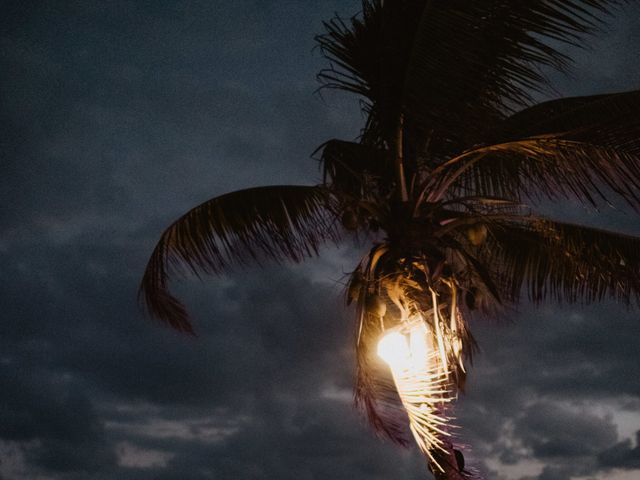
(418, 344)
(393, 349)
(422, 382)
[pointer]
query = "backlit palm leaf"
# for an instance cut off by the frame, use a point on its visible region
(242, 227)
(548, 166)
(564, 262)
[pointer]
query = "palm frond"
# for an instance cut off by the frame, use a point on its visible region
(375, 391)
(609, 120)
(473, 61)
(452, 67)
(559, 261)
(548, 166)
(354, 48)
(376, 394)
(242, 227)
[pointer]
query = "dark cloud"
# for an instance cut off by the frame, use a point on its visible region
(118, 116)
(57, 414)
(551, 430)
(292, 439)
(555, 473)
(538, 388)
(113, 111)
(622, 455)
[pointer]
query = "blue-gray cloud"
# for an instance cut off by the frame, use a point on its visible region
(622, 455)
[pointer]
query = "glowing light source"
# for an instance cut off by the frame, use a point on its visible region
(393, 349)
(399, 354)
(422, 381)
(418, 344)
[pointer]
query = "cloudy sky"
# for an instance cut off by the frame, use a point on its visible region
(116, 117)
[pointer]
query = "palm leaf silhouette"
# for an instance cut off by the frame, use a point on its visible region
(275, 222)
(559, 261)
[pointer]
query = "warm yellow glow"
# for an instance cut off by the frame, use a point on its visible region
(418, 345)
(393, 349)
(422, 382)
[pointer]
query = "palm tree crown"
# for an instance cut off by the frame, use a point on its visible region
(450, 165)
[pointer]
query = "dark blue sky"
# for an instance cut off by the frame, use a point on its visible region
(117, 116)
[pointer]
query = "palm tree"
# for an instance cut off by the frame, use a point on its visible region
(445, 179)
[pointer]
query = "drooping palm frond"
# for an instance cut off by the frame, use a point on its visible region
(242, 227)
(548, 166)
(427, 371)
(378, 395)
(375, 392)
(558, 261)
(423, 384)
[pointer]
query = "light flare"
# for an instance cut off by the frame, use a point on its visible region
(422, 382)
(394, 350)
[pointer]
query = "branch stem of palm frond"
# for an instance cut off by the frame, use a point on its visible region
(402, 183)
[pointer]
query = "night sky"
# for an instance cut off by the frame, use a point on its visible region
(118, 116)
